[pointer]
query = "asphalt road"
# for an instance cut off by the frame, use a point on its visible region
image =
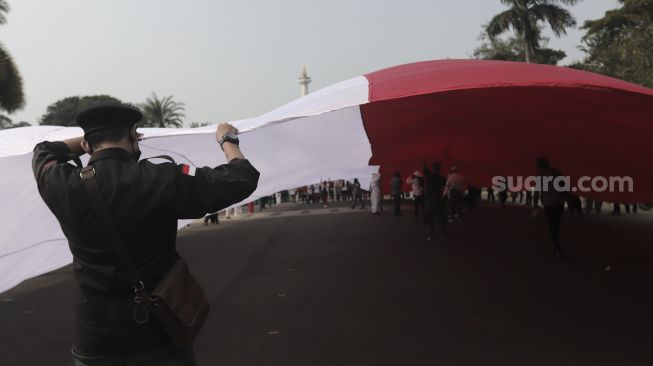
(313, 286)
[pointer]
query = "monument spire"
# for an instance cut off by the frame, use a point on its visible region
(304, 80)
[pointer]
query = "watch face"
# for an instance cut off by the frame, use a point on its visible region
(229, 137)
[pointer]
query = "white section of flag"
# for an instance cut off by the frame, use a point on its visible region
(293, 153)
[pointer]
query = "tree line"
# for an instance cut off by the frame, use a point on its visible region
(157, 112)
(617, 45)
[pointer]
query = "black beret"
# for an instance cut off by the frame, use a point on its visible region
(99, 116)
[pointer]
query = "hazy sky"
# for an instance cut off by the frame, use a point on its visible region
(229, 60)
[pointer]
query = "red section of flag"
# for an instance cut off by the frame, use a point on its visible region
(493, 118)
(185, 169)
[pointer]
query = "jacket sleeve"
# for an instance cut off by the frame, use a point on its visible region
(207, 190)
(46, 152)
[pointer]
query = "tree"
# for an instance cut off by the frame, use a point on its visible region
(4, 8)
(64, 111)
(6, 123)
(163, 112)
(524, 18)
(619, 44)
(512, 49)
(198, 124)
(11, 84)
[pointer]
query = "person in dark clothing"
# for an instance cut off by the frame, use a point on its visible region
(553, 201)
(536, 199)
(213, 218)
(324, 193)
(628, 206)
(395, 186)
(517, 196)
(144, 201)
(435, 212)
(503, 197)
(490, 195)
(473, 197)
(357, 193)
(310, 194)
(598, 206)
(574, 204)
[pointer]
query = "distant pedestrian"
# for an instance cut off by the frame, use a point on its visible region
(310, 194)
(317, 192)
(338, 190)
(357, 193)
(454, 190)
(490, 195)
(324, 192)
(395, 187)
(375, 193)
(536, 198)
(553, 202)
(346, 190)
(598, 207)
(634, 206)
(473, 197)
(503, 197)
(417, 189)
(231, 212)
(211, 217)
(574, 204)
(435, 212)
(616, 209)
(262, 202)
(589, 205)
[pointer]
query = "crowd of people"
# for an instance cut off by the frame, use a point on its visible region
(439, 199)
(324, 192)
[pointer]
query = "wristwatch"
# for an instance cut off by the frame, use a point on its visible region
(228, 137)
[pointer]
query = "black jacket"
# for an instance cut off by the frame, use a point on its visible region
(144, 200)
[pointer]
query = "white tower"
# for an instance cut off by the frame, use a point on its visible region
(304, 80)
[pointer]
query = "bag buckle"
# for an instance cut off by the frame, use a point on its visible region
(81, 174)
(140, 313)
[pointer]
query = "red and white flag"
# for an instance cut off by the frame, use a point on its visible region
(188, 170)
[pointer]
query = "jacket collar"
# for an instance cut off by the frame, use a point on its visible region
(110, 153)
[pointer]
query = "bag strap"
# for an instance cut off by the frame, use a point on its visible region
(90, 184)
(164, 157)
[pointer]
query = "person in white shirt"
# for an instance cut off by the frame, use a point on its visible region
(375, 193)
(417, 183)
(454, 190)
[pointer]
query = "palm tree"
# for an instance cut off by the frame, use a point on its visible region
(198, 124)
(4, 8)
(163, 112)
(5, 122)
(524, 17)
(11, 84)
